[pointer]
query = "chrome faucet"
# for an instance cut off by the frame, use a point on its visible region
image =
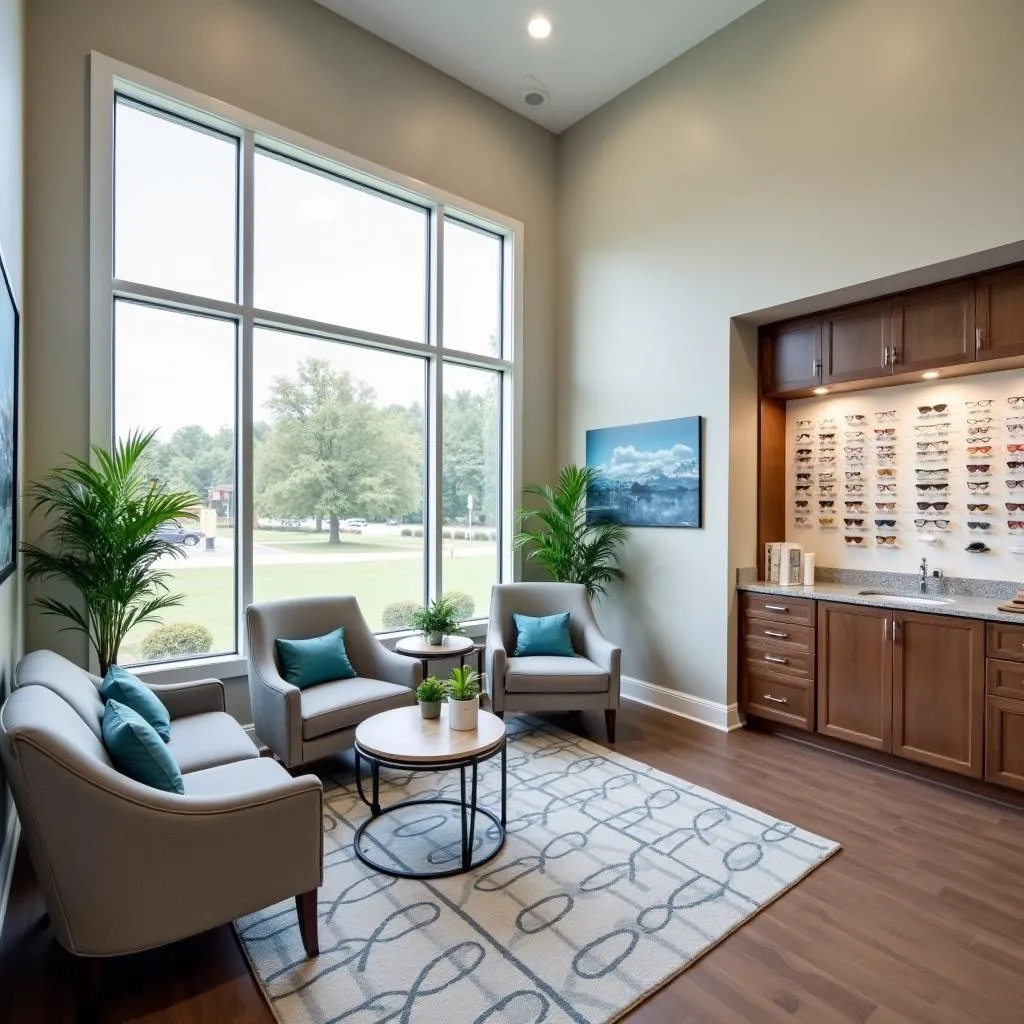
(924, 575)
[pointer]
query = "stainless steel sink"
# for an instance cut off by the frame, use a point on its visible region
(912, 598)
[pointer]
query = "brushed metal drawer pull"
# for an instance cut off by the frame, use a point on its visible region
(777, 661)
(775, 700)
(776, 608)
(783, 636)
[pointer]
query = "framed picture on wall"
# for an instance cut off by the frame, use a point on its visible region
(651, 474)
(9, 324)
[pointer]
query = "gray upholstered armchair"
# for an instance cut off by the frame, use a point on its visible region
(589, 680)
(303, 725)
(124, 867)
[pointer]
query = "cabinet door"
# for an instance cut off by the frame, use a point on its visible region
(1004, 755)
(855, 342)
(1000, 302)
(939, 691)
(791, 357)
(934, 327)
(855, 674)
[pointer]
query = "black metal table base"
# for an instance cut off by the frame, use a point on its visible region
(469, 809)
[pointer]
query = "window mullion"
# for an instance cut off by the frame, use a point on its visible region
(243, 484)
(435, 402)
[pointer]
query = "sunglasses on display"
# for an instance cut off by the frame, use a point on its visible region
(886, 417)
(1016, 524)
(854, 488)
(885, 506)
(974, 421)
(827, 437)
(980, 449)
(827, 489)
(932, 428)
(983, 403)
(983, 507)
(1016, 402)
(826, 521)
(1015, 467)
(939, 524)
(891, 488)
(857, 449)
(938, 506)
(926, 410)
(932, 446)
(977, 431)
(881, 432)
(1012, 484)
(1015, 428)
(804, 451)
(802, 438)
(978, 526)
(803, 424)
(885, 522)
(1014, 506)
(930, 472)
(804, 476)
(932, 487)
(803, 488)
(889, 541)
(802, 505)
(980, 485)
(854, 522)
(827, 460)
(855, 418)
(886, 472)
(976, 468)
(826, 504)
(853, 474)
(1013, 448)
(855, 435)
(854, 540)
(801, 521)
(854, 506)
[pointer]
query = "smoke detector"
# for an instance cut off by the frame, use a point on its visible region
(534, 92)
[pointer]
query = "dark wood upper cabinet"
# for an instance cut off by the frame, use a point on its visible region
(791, 357)
(939, 691)
(1000, 314)
(855, 674)
(855, 342)
(934, 327)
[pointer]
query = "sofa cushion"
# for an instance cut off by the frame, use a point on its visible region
(203, 741)
(249, 776)
(316, 660)
(548, 674)
(544, 635)
(344, 703)
(137, 750)
(68, 681)
(120, 685)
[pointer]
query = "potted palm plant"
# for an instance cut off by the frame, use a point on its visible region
(463, 691)
(103, 542)
(436, 620)
(430, 695)
(559, 537)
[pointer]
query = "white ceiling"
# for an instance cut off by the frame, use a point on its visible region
(597, 49)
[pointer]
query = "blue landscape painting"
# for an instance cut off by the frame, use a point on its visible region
(650, 473)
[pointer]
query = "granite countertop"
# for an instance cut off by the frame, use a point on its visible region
(960, 605)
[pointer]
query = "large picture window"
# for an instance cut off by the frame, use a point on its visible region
(326, 354)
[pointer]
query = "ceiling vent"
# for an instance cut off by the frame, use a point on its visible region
(534, 93)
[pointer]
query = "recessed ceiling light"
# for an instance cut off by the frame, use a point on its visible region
(821, 391)
(539, 27)
(930, 375)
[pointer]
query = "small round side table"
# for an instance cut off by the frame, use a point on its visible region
(449, 647)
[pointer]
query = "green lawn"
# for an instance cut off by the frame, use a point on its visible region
(209, 592)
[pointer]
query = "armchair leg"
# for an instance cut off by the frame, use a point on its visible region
(305, 908)
(609, 723)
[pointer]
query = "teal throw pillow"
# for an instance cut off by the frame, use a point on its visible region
(122, 686)
(319, 660)
(548, 634)
(137, 750)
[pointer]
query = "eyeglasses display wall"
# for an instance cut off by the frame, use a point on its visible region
(881, 479)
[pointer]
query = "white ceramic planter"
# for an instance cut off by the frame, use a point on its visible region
(462, 714)
(435, 639)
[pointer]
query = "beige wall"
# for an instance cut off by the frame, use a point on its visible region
(11, 235)
(299, 65)
(810, 147)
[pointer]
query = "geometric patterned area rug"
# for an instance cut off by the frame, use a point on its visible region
(614, 878)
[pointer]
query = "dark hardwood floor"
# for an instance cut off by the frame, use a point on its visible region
(919, 918)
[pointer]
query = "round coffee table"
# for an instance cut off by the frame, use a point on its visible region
(449, 647)
(405, 740)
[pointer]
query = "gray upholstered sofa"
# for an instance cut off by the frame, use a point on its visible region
(302, 725)
(590, 680)
(124, 867)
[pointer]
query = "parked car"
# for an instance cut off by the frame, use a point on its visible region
(390, 522)
(175, 533)
(355, 524)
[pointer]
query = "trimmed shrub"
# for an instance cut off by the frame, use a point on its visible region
(418, 532)
(462, 602)
(175, 639)
(399, 615)
(483, 535)
(460, 534)
(406, 531)
(446, 534)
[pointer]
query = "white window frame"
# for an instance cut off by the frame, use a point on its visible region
(110, 78)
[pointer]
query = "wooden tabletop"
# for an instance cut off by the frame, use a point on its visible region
(450, 646)
(404, 735)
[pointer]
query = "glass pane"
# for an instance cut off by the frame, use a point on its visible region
(329, 251)
(175, 373)
(472, 289)
(338, 474)
(471, 487)
(175, 205)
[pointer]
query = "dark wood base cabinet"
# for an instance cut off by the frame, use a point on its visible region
(1004, 756)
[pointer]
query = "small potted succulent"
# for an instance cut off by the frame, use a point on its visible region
(430, 695)
(437, 619)
(463, 690)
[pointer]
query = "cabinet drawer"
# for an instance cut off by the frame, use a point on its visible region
(1004, 678)
(1005, 641)
(1004, 742)
(771, 658)
(784, 635)
(778, 609)
(768, 695)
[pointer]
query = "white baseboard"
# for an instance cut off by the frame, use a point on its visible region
(8, 853)
(724, 717)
